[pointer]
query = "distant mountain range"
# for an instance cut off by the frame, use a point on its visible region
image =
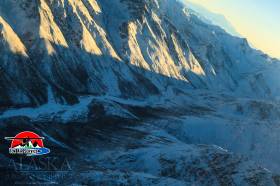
(212, 18)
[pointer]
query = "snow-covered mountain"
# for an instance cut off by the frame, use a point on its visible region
(119, 48)
(212, 18)
(143, 84)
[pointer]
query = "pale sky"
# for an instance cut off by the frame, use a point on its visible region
(256, 20)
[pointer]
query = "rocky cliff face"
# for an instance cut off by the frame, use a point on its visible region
(142, 83)
(120, 48)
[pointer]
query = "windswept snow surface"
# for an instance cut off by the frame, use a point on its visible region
(50, 110)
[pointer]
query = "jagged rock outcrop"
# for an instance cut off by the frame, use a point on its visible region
(121, 48)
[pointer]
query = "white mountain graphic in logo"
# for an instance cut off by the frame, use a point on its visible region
(28, 145)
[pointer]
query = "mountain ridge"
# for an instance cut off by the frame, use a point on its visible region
(152, 43)
(212, 18)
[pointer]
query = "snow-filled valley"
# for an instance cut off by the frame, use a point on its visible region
(136, 92)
